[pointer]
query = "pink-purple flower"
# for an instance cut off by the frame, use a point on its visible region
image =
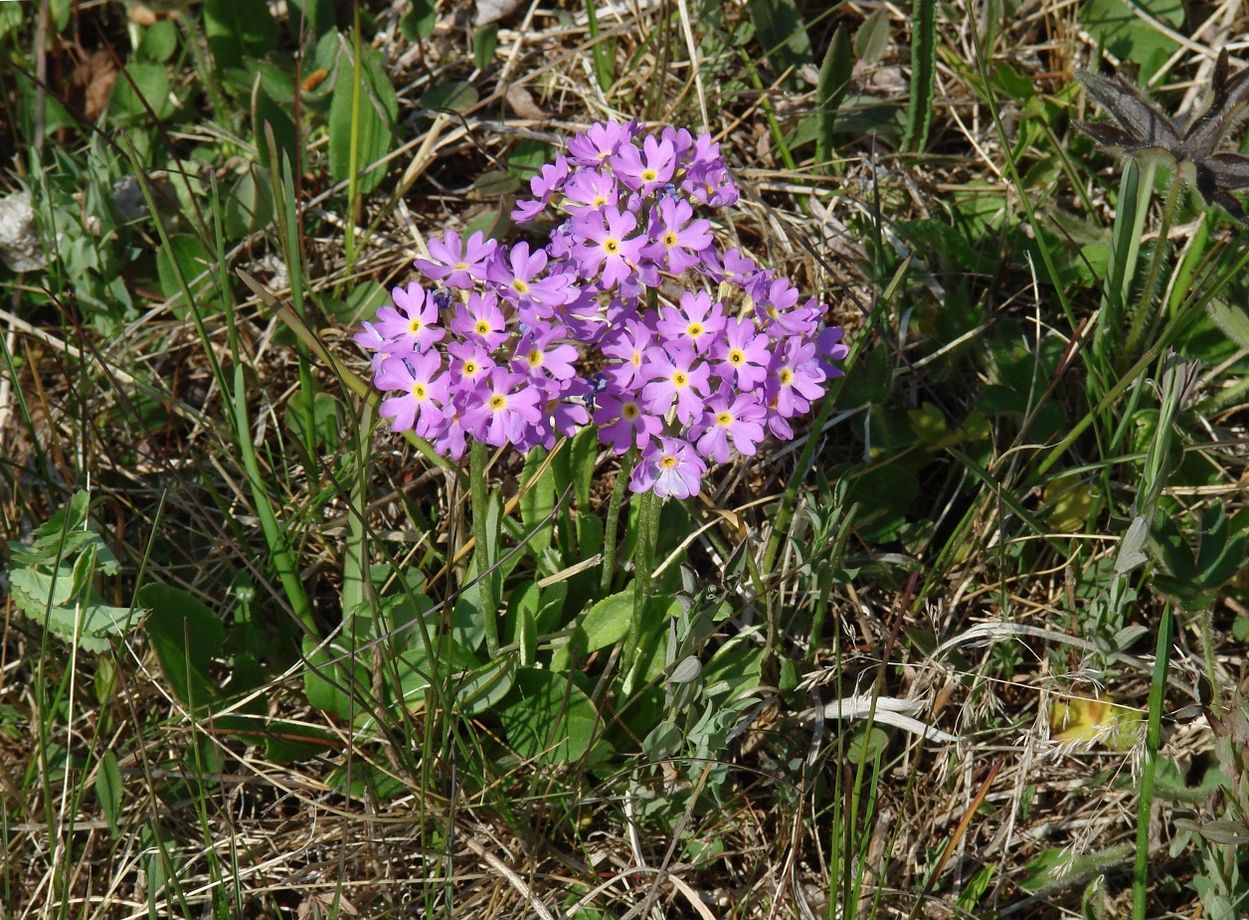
(627, 315)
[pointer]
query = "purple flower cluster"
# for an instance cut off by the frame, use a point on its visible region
(629, 315)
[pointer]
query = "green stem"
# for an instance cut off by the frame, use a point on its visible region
(479, 489)
(643, 566)
(613, 519)
(1140, 873)
(1145, 307)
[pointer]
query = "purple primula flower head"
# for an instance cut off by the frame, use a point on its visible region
(677, 238)
(697, 323)
(676, 375)
(590, 190)
(416, 408)
(729, 417)
(598, 143)
(646, 170)
(541, 354)
(372, 341)
(481, 320)
(670, 467)
(627, 315)
(457, 263)
(605, 248)
(514, 273)
(623, 422)
(628, 344)
(470, 365)
(794, 378)
(503, 407)
(742, 354)
(543, 186)
(412, 324)
(830, 348)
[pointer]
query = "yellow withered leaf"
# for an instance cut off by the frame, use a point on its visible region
(1091, 720)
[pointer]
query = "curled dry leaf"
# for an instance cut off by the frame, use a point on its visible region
(521, 101)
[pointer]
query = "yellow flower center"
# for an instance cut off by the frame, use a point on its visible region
(598, 202)
(630, 411)
(460, 266)
(786, 376)
(415, 325)
(534, 358)
(668, 462)
(520, 287)
(470, 368)
(419, 390)
(737, 356)
(636, 360)
(724, 419)
(772, 312)
(482, 327)
(649, 175)
(680, 378)
(670, 239)
(497, 401)
(611, 246)
(694, 330)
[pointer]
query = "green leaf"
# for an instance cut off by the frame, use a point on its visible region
(159, 41)
(270, 118)
(283, 741)
(538, 502)
(550, 720)
(1233, 321)
(417, 24)
(47, 600)
(834, 81)
(485, 40)
(237, 30)
(583, 454)
(450, 97)
(364, 83)
(607, 622)
(872, 38)
(923, 72)
(249, 204)
(186, 636)
(108, 789)
(484, 687)
(187, 254)
(150, 86)
(778, 23)
(1120, 27)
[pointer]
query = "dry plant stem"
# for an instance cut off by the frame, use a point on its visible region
(1155, 266)
(1158, 684)
(613, 518)
(479, 490)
